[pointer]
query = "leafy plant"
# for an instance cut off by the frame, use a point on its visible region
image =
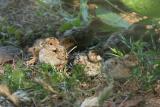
(70, 24)
(116, 52)
(16, 78)
(61, 80)
(104, 15)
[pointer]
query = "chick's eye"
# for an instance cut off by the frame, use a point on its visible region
(130, 59)
(114, 63)
(50, 43)
(54, 50)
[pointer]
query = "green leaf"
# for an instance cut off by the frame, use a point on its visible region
(11, 29)
(111, 21)
(111, 18)
(145, 7)
(116, 52)
(84, 10)
(70, 24)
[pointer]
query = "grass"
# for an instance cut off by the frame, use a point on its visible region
(22, 77)
(44, 79)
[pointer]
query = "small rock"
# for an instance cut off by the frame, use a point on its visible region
(8, 53)
(22, 96)
(90, 102)
(5, 103)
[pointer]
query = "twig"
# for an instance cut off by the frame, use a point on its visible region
(72, 49)
(35, 105)
(122, 103)
(45, 85)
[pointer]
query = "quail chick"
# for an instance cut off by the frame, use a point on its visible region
(55, 56)
(92, 68)
(53, 53)
(40, 43)
(47, 50)
(120, 68)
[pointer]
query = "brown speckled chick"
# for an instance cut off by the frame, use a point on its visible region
(49, 51)
(91, 61)
(120, 68)
(53, 53)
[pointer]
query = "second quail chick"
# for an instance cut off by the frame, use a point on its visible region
(120, 68)
(92, 68)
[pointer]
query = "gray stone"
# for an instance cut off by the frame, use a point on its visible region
(8, 53)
